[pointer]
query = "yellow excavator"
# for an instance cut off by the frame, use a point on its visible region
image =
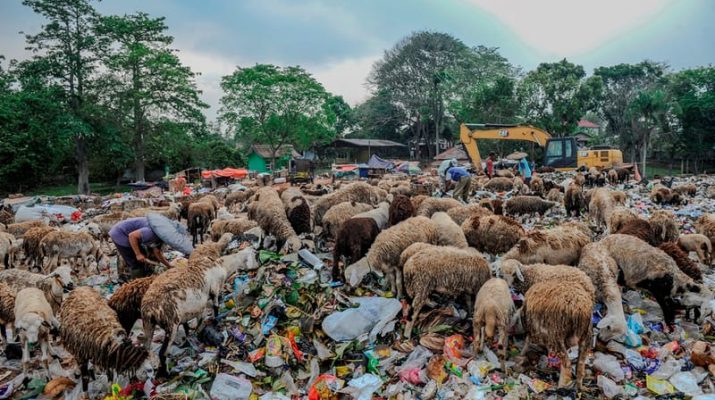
(561, 153)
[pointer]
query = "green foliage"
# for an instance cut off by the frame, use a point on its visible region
(556, 95)
(274, 106)
(379, 118)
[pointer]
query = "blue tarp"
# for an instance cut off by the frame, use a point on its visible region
(377, 162)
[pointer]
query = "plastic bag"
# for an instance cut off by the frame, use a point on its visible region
(370, 317)
(635, 323)
(609, 388)
(365, 386)
(658, 386)
(609, 365)
(324, 386)
(229, 387)
(667, 369)
(686, 382)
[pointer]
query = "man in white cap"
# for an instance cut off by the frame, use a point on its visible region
(442, 172)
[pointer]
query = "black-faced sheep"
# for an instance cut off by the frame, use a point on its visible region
(384, 254)
(494, 234)
(555, 315)
(559, 245)
(698, 243)
(353, 240)
(499, 184)
(432, 205)
(664, 227)
(448, 232)
(493, 311)
(7, 312)
(460, 214)
(338, 214)
(65, 245)
(127, 301)
(359, 192)
(527, 205)
(400, 209)
(297, 210)
(646, 267)
(688, 266)
(603, 271)
(266, 208)
(235, 226)
(90, 331)
(446, 270)
(33, 321)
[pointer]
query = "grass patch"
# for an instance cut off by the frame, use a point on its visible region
(101, 188)
(653, 170)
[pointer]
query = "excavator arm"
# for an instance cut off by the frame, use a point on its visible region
(469, 133)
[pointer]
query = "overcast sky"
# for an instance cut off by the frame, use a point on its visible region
(338, 40)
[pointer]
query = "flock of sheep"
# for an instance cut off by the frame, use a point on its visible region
(477, 254)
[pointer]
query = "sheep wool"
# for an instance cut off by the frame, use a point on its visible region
(31, 245)
(686, 189)
(698, 243)
(493, 205)
(236, 226)
(600, 207)
(353, 241)
(555, 313)
(521, 277)
(33, 317)
(53, 284)
(127, 301)
(460, 214)
(554, 195)
(380, 215)
(499, 184)
(61, 244)
(448, 232)
(688, 266)
(90, 331)
(493, 234)
(401, 208)
(445, 270)
(559, 245)
(338, 214)
(266, 208)
(493, 310)
(639, 228)
(7, 312)
(527, 205)
(664, 227)
(705, 225)
(297, 210)
(432, 205)
(619, 217)
(359, 192)
(18, 229)
(574, 200)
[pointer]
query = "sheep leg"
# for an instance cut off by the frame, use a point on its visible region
(469, 303)
(170, 334)
(398, 282)
(84, 374)
(504, 343)
(581, 360)
(25, 353)
(417, 304)
(45, 356)
(148, 333)
(565, 374)
(478, 333)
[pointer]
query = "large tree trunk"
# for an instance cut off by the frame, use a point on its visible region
(138, 127)
(643, 158)
(82, 159)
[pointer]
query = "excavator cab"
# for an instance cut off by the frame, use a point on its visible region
(561, 153)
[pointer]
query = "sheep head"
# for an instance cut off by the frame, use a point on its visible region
(611, 328)
(32, 326)
(511, 271)
(292, 245)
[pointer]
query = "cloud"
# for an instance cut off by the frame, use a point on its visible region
(571, 27)
(346, 77)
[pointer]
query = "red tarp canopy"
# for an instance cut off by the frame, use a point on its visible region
(225, 173)
(345, 167)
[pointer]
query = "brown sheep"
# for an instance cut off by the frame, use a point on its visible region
(339, 213)
(688, 266)
(619, 217)
(520, 187)
(705, 225)
(353, 240)
(90, 331)
(559, 245)
(579, 179)
(238, 197)
(499, 184)
(200, 215)
(612, 176)
(7, 312)
(62, 244)
(557, 314)
(384, 254)
(664, 227)
(31, 245)
(400, 209)
(432, 205)
(494, 234)
(623, 175)
(459, 214)
(359, 192)
(537, 185)
(619, 197)
(663, 195)
(527, 205)
(446, 270)
(504, 173)
(554, 195)
(493, 205)
(235, 226)
(574, 200)
(127, 301)
(266, 208)
(686, 189)
(297, 210)
(493, 310)
(600, 207)
(9, 247)
(639, 228)
(18, 229)
(521, 277)
(698, 243)
(417, 200)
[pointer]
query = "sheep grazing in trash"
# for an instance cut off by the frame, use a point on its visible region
(555, 196)
(448, 232)
(620, 217)
(359, 192)
(664, 226)
(603, 271)
(33, 320)
(266, 208)
(557, 315)
(338, 214)
(53, 284)
(639, 228)
(127, 301)
(384, 254)
(537, 186)
(18, 229)
(527, 205)
(493, 311)
(521, 277)
(559, 245)
(493, 205)
(353, 241)
(612, 177)
(700, 244)
(66, 245)
(574, 200)
(237, 198)
(499, 184)
(646, 267)
(297, 210)
(432, 205)
(460, 214)
(600, 207)
(664, 195)
(688, 266)
(31, 245)
(401, 208)
(684, 189)
(200, 215)
(236, 226)
(493, 234)
(9, 247)
(705, 225)
(446, 270)
(7, 313)
(91, 332)
(380, 215)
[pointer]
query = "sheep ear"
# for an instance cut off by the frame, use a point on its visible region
(519, 274)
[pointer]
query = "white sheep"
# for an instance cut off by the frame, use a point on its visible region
(493, 310)
(53, 284)
(33, 321)
(379, 214)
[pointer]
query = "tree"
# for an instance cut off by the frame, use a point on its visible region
(146, 80)
(341, 116)
(622, 84)
(647, 112)
(379, 118)
(555, 96)
(68, 46)
(693, 99)
(275, 106)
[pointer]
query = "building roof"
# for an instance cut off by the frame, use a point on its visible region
(454, 152)
(265, 151)
(366, 143)
(583, 137)
(584, 123)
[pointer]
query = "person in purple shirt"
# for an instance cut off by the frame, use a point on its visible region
(462, 181)
(134, 238)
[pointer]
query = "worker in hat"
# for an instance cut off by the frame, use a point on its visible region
(442, 172)
(462, 180)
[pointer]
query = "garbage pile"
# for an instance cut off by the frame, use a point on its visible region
(288, 330)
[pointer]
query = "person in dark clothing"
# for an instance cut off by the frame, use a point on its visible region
(134, 239)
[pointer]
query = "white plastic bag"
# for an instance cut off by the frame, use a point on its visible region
(370, 317)
(229, 387)
(610, 389)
